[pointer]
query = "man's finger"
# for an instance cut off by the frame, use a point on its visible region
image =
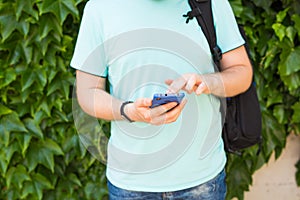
(169, 81)
(177, 85)
(143, 102)
(159, 110)
(202, 87)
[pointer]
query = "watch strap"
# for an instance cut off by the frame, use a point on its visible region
(123, 114)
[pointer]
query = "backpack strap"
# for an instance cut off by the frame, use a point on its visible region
(201, 9)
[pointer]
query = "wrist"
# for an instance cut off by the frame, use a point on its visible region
(123, 111)
(214, 84)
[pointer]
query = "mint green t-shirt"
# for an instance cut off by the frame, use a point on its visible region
(137, 45)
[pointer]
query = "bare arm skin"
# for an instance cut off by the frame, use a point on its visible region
(235, 78)
(95, 101)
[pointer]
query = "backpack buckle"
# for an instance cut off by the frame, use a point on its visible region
(193, 13)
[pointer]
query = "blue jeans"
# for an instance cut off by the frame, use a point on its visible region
(214, 189)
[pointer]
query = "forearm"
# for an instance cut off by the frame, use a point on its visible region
(95, 101)
(235, 76)
(100, 104)
(230, 82)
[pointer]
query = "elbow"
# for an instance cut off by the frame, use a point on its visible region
(248, 80)
(239, 83)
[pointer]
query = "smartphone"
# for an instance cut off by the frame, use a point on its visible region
(160, 99)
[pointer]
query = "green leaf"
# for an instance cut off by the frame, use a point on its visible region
(50, 57)
(263, 4)
(74, 179)
(3, 164)
(275, 133)
(44, 47)
(4, 110)
(16, 176)
(8, 77)
(291, 33)
(40, 183)
(25, 95)
(28, 78)
(279, 113)
(54, 86)
(281, 15)
(62, 116)
(41, 76)
(52, 75)
(34, 128)
(10, 150)
(269, 55)
(66, 88)
(291, 63)
(239, 176)
(6, 154)
(279, 30)
(25, 143)
(296, 19)
(27, 189)
(292, 81)
(70, 143)
(274, 98)
(53, 147)
(13, 123)
(45, 107)
(14, 55)
(60, 8)
(296, 114)
(4, 135)
(91, 193)
(237, 7)
(39, 116)
(43, 153)
(26, 6)
(7, 22)
(78, 1)
(46, 26)
(26, 52)
(59, 104)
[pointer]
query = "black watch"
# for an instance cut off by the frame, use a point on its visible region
(122, 110)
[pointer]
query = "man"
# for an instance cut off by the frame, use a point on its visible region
(144, 47)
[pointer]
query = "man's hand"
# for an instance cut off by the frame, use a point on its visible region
(234, 78)
(164, 114)
(189, 83)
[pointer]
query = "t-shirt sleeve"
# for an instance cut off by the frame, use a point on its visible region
(227, 31)
(89, 54)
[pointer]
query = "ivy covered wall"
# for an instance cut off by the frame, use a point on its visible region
(41, 156)
(273, 30)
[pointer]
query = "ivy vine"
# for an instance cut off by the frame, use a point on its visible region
(41, 156)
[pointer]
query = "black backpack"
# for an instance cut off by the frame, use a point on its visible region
(242, 126)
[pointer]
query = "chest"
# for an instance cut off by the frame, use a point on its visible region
(118, 18)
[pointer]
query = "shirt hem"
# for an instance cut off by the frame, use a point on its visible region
(170, 188)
